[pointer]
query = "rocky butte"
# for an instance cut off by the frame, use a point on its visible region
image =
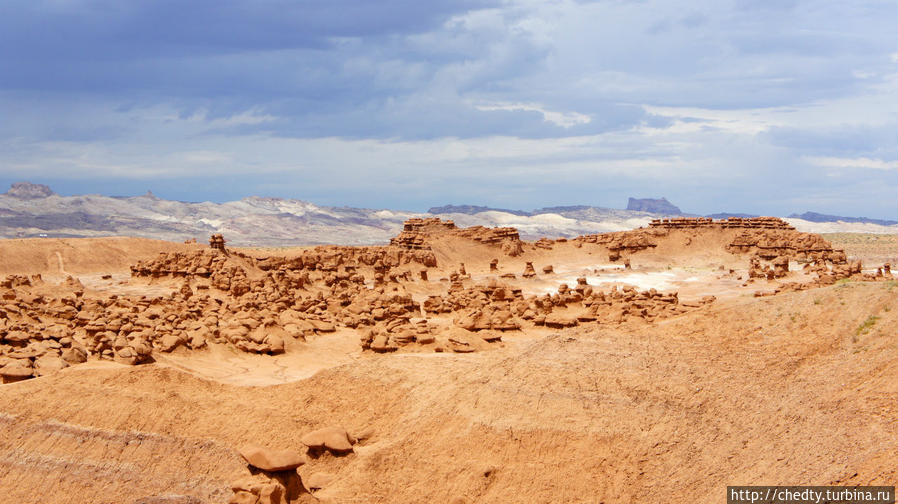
(27, 190)
(659, 206)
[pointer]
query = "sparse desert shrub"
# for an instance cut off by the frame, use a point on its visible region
(868, 324)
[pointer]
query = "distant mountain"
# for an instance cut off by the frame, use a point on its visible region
(818, 217)
(472, 209)
(570, 211)
(659, 206)
(27, 190)
(34, 210)
(29, 212)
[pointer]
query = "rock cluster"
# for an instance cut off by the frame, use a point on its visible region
(272, 477)
(828, 274)
(319, 259)
(417, 234)
(36, 332)
(395, 334)
(623, 242)
(498, 307)
(264, 304)
(767, 237)
(728, 223)
(582, 304)
(325, 288)
(255, 304)
(791, 244)
(778, 269)
(271, 301)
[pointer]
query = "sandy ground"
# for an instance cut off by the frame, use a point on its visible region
(797, 388)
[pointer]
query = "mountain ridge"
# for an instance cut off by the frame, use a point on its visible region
(34, 210)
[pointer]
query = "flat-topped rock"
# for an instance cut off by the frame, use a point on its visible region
(268, 459)
(335, 439)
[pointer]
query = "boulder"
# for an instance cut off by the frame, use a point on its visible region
(555, 320)
(169, 342)
(18, 369)
(74, 355)
(335, 439)
(319, 480)
(271, 460)
(381, 343)
(48, 364)
(282, 487)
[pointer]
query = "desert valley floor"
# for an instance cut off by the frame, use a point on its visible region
(456, 365)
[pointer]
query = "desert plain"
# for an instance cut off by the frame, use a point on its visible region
(456, 365)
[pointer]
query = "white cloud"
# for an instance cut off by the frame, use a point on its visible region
(249, 117)
(852, 163)
(564, 119)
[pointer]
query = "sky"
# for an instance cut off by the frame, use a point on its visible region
(758, 106)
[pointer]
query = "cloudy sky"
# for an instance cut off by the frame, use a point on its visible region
(763, 106)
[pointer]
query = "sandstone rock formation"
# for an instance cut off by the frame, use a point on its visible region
(269, 487)
(728, 223)
(529, 272)
(270, 460)
(417, 234)
(767, 237)
(334, 439)
(217, 242)
(265, 304)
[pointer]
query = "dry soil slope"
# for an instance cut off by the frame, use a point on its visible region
(797, 388)
(79, 255)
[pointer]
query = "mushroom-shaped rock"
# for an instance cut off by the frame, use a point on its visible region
(18, 369)
(271, 460)
(529, 272)
(558, 321)
(48, 364)
(74, 355)
(335, 439)
(169, 342)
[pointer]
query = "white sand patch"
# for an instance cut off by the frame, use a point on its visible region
(614, 274)
(841, 227)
